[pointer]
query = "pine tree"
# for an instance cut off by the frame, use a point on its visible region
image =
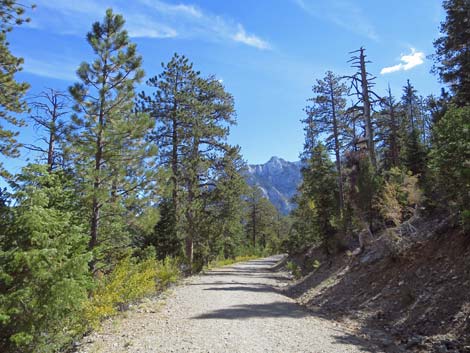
(108, 140)
(413, 151)
(438, 106)
(321, 186)
(410, 107)
(450, 159)
(317, 203)
(389, 131)
(169, 106)
(227, 205)
(165, 238)
(193, 116)
(261, 219)
(452, 58)
(213, 114)
(327, 115)
(253, 214)
(43, 264)
(12, 91)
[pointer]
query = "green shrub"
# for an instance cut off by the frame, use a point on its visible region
(294, 269)
(168, 272)
(465, 221)
(128, 282)
(400, 196)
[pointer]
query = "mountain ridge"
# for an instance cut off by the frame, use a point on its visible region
(278, 179)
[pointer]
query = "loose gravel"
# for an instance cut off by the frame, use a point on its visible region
(231, 309)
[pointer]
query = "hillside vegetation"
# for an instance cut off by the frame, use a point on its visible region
(131, 190)
(381, 234)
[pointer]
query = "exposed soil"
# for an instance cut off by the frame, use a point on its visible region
(418, 301)
(237, 308)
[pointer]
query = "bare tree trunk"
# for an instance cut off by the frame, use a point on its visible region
(253, 220)
(367, 109)
(95, 209)
(337, 151)
(52, 133)
(189, 241)
(50, 151)
(174, 167)
(192, 183)
(394, 131)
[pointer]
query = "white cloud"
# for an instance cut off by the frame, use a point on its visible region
(76, 18)
(57, 69)
(415, 58)
(149, 32)
(166, 8)
(344, 13)
(248, 39)
(144, 19)
(140, 26)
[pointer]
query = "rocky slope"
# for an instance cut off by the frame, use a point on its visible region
(278, 179)
(414, 301)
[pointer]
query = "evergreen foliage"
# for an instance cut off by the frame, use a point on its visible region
(132, 193)
(450, 158)
(12, 92)
(452, 60)
(317, 203)
(108, 140)
(261, 218)
(328, 117)
(164, 237)
(44, 259)
(193, 116)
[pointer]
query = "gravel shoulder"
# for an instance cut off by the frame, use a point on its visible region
(236, 308)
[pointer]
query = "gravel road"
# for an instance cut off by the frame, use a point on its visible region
(230, 309)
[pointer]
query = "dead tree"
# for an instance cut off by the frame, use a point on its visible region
(49, 107)
(361, 84)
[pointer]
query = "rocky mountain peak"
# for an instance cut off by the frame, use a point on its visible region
(278, 179)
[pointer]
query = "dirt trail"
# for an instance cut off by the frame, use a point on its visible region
(231, 309)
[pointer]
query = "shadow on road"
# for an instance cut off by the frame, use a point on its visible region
(258, 288)
(275, 309)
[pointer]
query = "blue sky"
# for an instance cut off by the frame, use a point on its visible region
(267, 52)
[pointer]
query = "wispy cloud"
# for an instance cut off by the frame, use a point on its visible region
(170, 9)
(251, 40)
(75, 18)
(63, 69)
(191, 21)
(140, 26)
(344, 13)
(144, 19)
(408, 61)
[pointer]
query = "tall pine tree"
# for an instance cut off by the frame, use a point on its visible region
(108, 137)
(328, 116)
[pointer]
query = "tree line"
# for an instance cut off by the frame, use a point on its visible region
(380, 163)
(125, 181)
